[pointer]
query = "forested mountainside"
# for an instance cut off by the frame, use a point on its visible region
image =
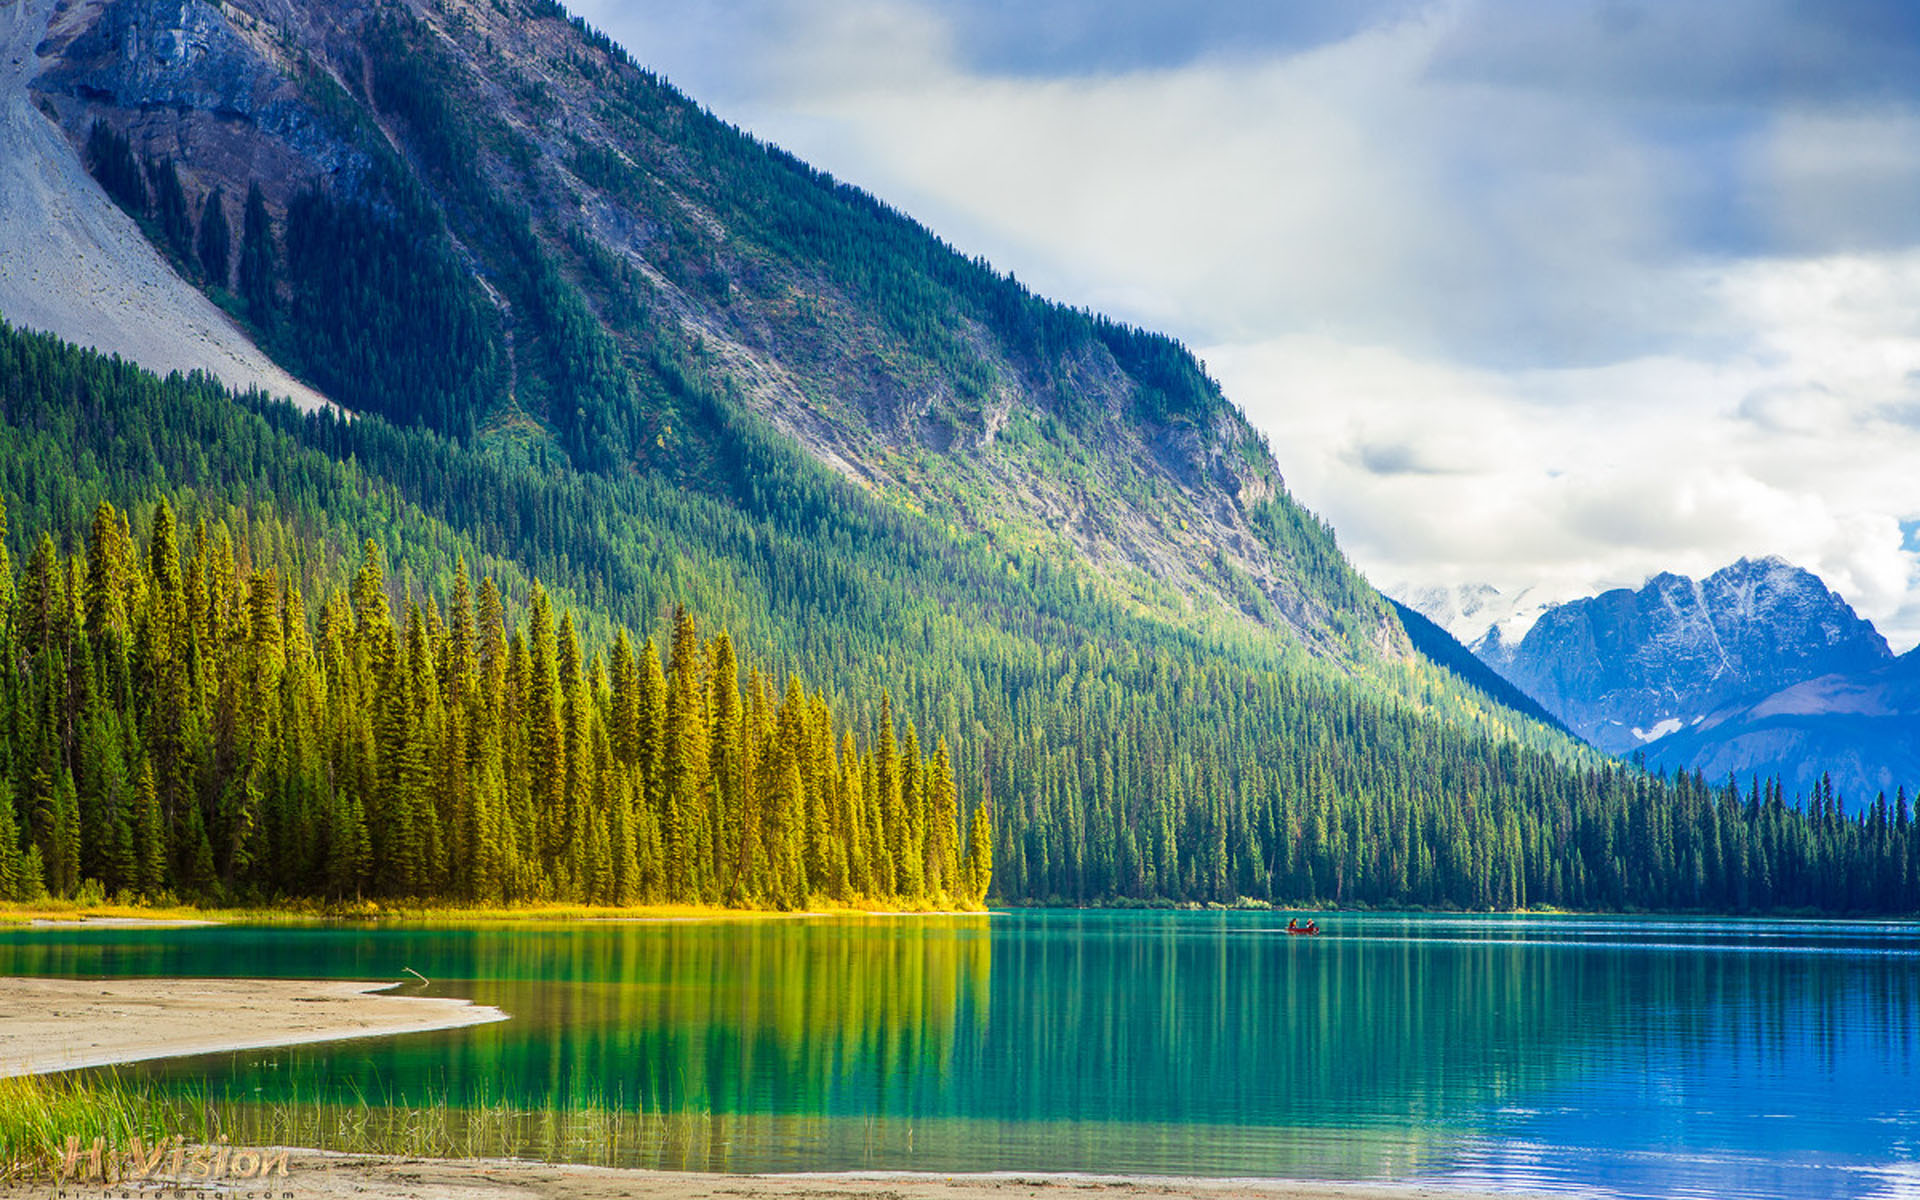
(1440, 647)
(481, 218)
(1115, 758)
(597, 338)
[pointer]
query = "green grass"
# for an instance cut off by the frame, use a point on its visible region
(41, 1115)
(38, 1114)
(49, 908)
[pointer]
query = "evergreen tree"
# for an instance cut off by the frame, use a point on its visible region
(215, 243)
(727, 766)
(626, 702)
(13, 866)
(546, 740)
(110, 158)
(686, 763)
(150, 835)
(979, 859)
(943, 833)
(258, 271)
(170, 210)
(8, 597)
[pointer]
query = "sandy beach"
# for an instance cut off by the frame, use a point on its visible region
(61, 1024)
(324, 1176)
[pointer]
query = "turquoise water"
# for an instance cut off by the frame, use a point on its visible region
(1634, 1058)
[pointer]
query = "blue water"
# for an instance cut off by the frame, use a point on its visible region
(1605, 1055)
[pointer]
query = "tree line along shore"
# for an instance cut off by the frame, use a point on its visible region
(178, 723)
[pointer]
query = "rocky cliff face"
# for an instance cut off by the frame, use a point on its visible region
(71, 262)
(217, 87)
(919, 374)
(1627, 668)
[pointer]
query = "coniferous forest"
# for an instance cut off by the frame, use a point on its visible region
(181, 723)
(244, 700)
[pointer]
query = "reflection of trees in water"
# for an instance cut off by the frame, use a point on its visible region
(1092, 1041)
(751, 1016)
(1123, 1021)
(705, 1018)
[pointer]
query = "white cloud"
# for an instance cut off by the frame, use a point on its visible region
(1802, 444)
(1847, 178)
(1341, 189)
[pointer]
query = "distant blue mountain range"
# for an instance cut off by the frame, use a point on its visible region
(1757, 670)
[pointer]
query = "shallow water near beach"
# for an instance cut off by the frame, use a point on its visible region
(1614, 1056)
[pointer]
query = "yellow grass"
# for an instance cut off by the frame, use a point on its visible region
(18, 913)
(12, 913)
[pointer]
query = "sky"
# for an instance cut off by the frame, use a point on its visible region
(1548, 295)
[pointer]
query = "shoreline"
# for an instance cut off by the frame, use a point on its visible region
(309, 1174)
(116, 922)
(108, 915)
(324, 1176)
(49, 1025)
(124, 916)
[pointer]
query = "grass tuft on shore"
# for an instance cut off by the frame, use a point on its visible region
(39, 1113)
(42, 1117)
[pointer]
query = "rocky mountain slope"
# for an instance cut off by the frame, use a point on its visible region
(1627, 668)
(566, 241)
(1860, 730)
(73, 264)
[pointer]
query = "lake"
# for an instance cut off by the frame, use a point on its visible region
(1629, 1057)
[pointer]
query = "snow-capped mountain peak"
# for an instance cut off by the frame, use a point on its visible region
(1476, 612)
(1630, 667)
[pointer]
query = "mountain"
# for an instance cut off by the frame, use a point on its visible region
(496, 226)
(560, 323)
(1444, 649)
(1758, 671)
(1627, 668)
(77, 265)
(1860, 731)
(1470, 612)
(590, 333)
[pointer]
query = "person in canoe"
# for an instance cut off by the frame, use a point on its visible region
(1294, 926)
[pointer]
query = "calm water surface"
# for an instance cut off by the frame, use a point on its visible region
(1630, 1058)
